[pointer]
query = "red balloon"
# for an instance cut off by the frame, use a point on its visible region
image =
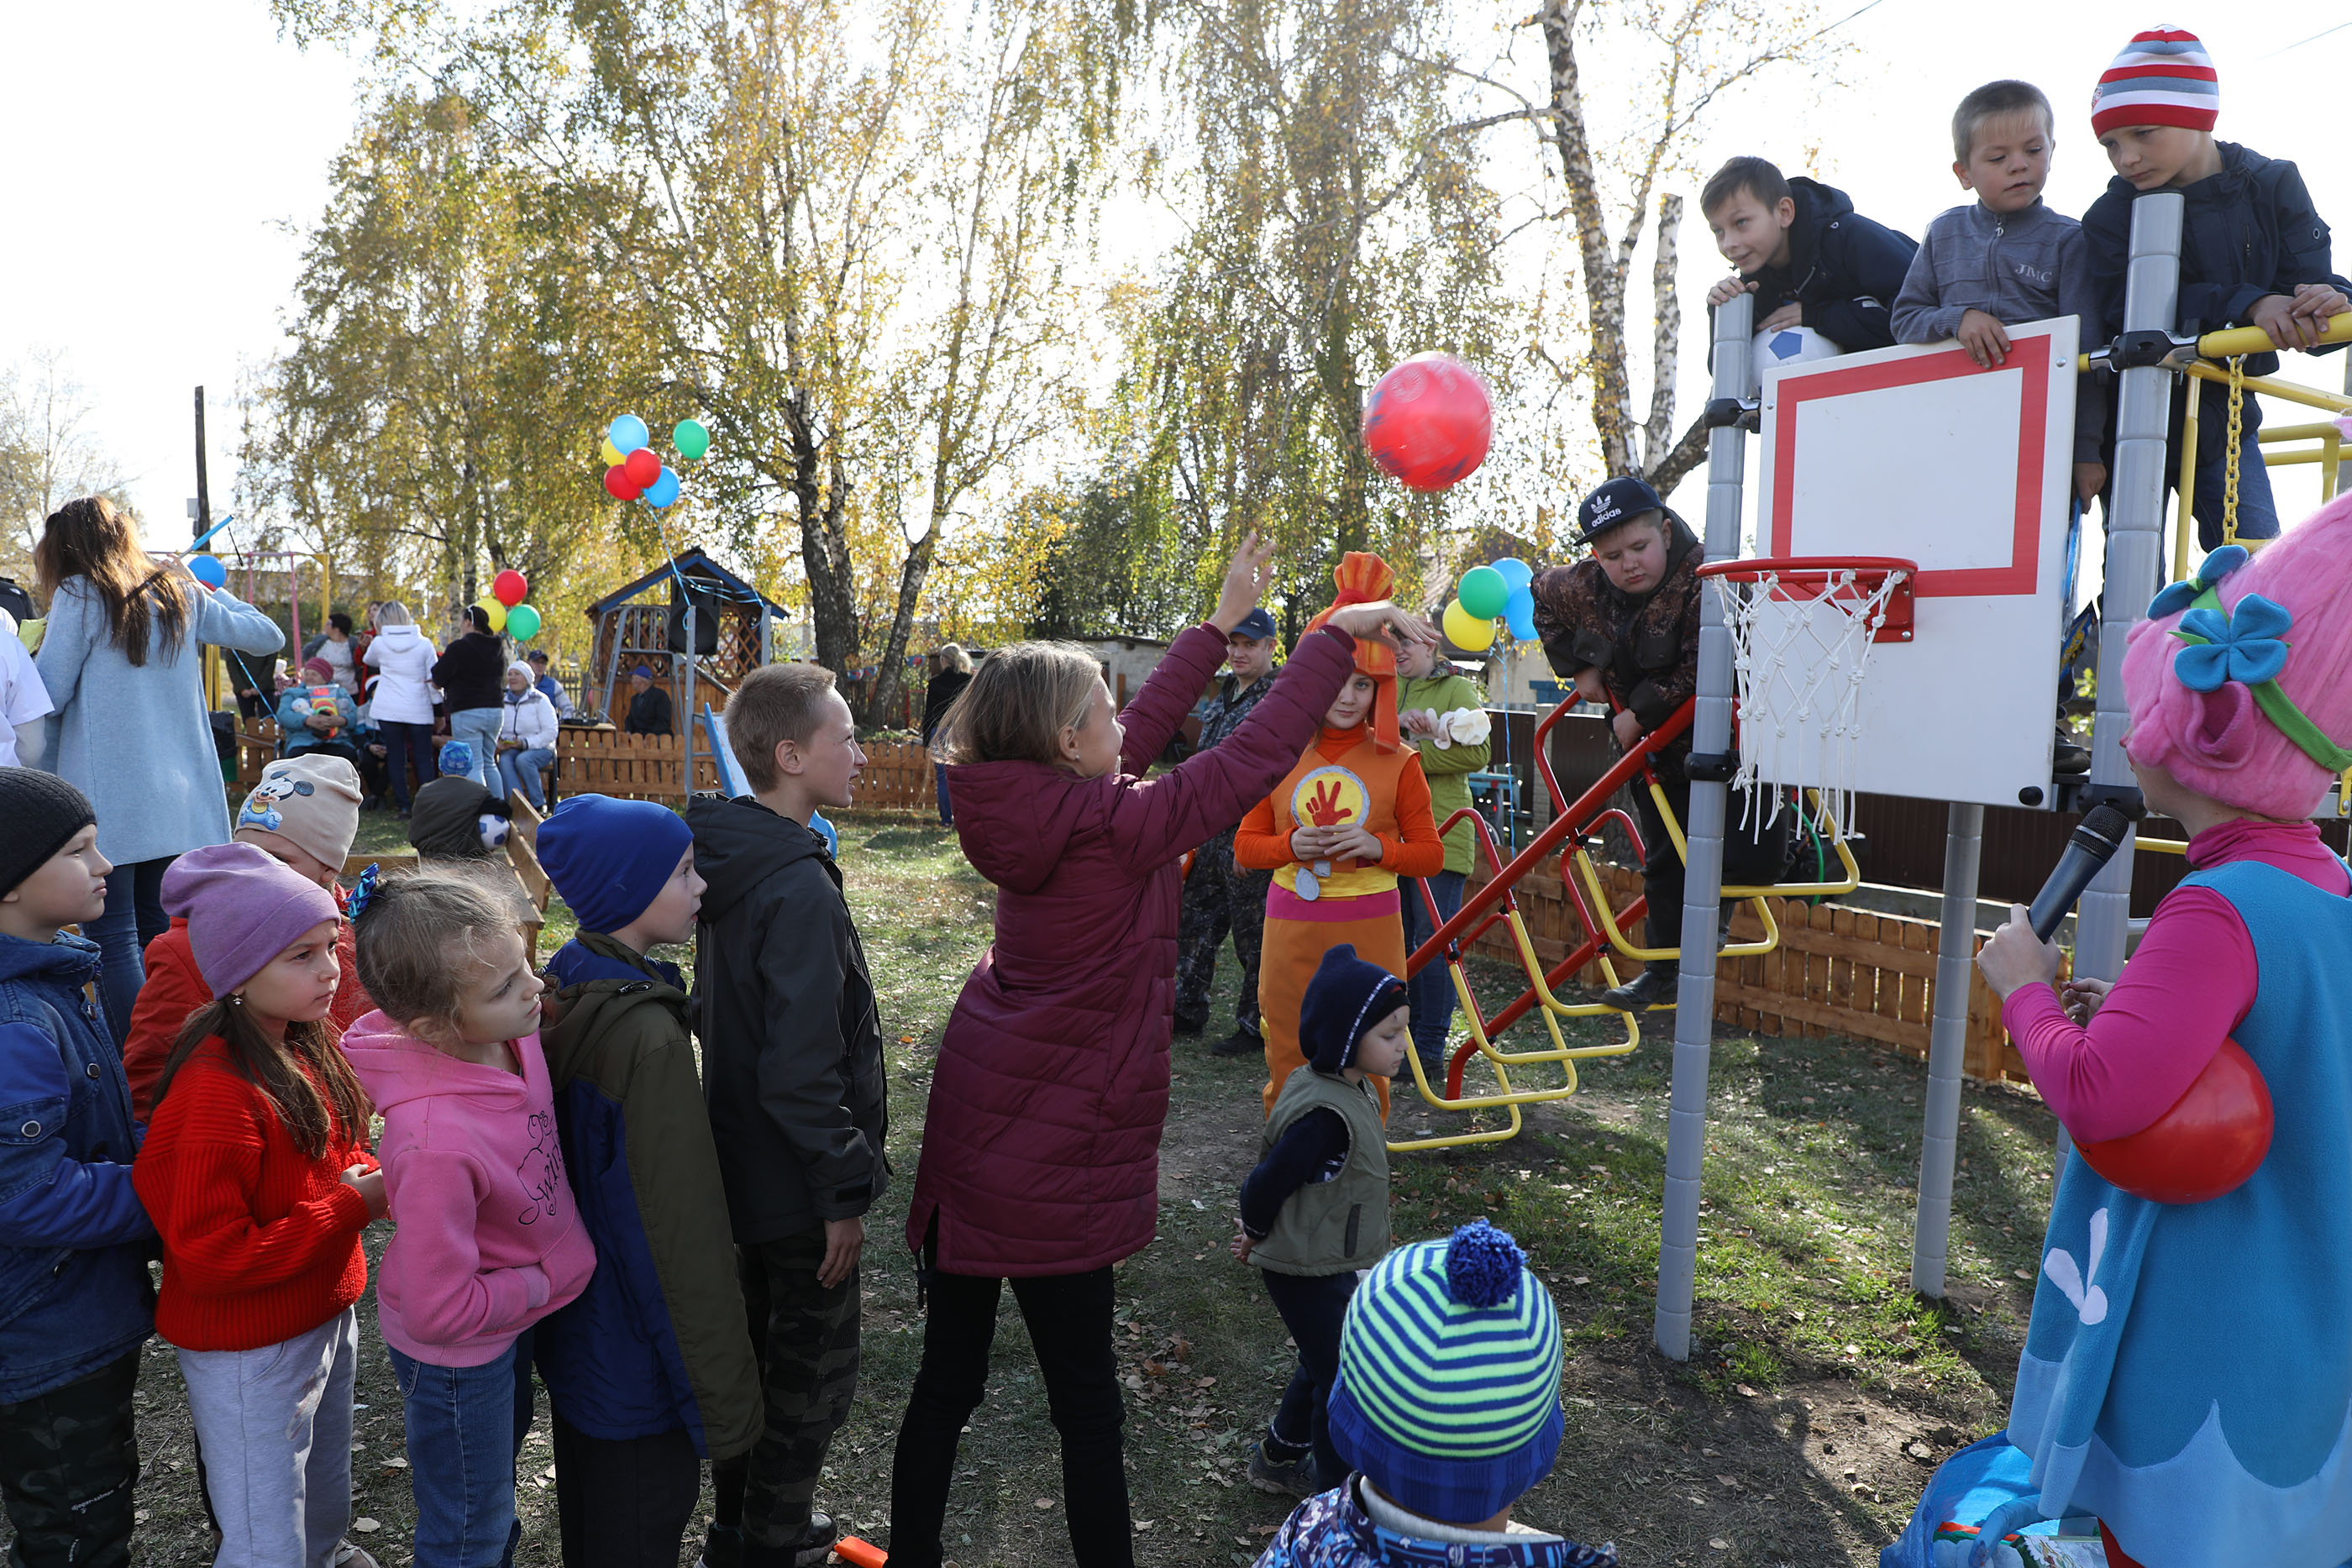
(1428, 422)
(509, 587)
(617, 483)
(2207, 1145)
(644, 467)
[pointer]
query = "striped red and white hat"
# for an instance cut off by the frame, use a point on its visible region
(2163, 76)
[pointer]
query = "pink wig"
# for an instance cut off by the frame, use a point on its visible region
(2219, 743)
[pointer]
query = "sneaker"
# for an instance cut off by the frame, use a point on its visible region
(1643, 991)
(1241, 1042)
(1282, 1477)
(350, 1556)
(721, 1548)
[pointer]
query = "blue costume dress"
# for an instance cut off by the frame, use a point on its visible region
(2188, 1371)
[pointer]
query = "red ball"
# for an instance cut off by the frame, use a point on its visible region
(2207, 1145)
(618, 485)
(643, 466)
(509, 588)
(1428, 422)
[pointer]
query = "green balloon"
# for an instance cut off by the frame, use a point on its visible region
(522, 622)
(1483, 592)
(691, 440)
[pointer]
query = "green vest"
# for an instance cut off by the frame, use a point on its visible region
(1338, 1225)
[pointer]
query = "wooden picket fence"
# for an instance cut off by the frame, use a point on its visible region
(1836, 971)
(898, 778)
(630, 767)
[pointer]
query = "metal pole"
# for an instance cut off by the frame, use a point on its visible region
(2135, 552)
(1703, 874)
(1948, 1046)
(686, 730)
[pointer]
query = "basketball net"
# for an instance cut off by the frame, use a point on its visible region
(1800, 649)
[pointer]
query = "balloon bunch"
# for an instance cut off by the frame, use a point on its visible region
(634, 471)
(506, 609)
(1485, 594)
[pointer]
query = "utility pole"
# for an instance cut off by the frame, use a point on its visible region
(204, 491)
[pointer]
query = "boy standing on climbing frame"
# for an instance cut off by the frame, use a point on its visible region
(2252, 250)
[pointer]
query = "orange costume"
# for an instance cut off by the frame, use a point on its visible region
(1362, 776)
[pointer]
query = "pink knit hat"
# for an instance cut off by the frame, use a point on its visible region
(2239, 682)
(243, 909)
(2163, 76)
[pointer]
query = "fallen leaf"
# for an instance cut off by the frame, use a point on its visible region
(1581, 1280)
(2022, 1274)
(1720, 1543)
(367, 1526)
(396, 1464)
(1043, 1504)
(141, 1516)
(1744, 1392)
(1141, 1523)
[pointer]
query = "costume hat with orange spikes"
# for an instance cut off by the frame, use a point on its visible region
(1365, 578)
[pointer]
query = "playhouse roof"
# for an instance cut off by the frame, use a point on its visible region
(692, 562)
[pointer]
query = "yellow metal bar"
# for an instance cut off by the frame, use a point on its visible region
(2184, 527)
(2231, 340)
(2270, 386)
(2308, 454)
(2319, 430)
(2163, 846)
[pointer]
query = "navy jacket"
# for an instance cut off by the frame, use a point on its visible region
(2248, 231)
(1845, 270)
(73, 1241)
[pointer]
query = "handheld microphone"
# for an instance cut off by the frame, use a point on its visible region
(2095, 840)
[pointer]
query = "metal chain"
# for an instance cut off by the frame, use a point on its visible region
(2229, 460)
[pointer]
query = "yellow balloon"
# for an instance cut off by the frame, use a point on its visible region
(610, 452)
(498, 614)
(1465, 631)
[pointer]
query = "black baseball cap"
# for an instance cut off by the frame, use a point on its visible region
(1618, 502)
(1257, 626)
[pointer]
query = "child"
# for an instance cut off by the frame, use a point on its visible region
(651, 1368)
(318, 715)
(2184, 1373)
(1315, 1208)
(2007, 258)
(488, 1239)
(73, 1241)
(1447, 1406)
(258, 1174)
(2252, 251)
(792, 1070)
(1623, 625)
(1806, 256)
(1444, 716)
(1351, 818)
(1040, 1152)
(303, 814)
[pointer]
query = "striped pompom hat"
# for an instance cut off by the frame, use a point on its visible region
(2163, 76)
(1448, 1393)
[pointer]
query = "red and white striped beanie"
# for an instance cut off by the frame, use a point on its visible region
(2163, 76)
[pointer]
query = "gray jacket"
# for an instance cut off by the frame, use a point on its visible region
(2015, 267)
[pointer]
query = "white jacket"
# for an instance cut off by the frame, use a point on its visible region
(530, 718)
(404, 688)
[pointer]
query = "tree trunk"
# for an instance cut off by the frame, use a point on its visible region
(825, 547)
(1667, 330)
(1605, 290)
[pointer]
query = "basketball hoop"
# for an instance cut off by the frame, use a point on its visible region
(1802, 630)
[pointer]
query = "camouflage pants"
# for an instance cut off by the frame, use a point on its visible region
(807, 1340)
(67, 1461)
(1219, 896)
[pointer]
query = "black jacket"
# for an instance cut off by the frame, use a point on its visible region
(1845, 270)
(792, 1047)
(938, 695)
(649, 713)
(2248, 231)
(470, 673)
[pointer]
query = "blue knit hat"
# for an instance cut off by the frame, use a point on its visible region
(609, 858)
(1448, 1393)
(456, 757)
(1344, 1000)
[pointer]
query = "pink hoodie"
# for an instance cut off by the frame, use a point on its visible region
(488, 1239)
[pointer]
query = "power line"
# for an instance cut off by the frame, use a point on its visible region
(2313, 39)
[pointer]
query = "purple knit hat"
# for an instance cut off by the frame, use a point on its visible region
(243, 909)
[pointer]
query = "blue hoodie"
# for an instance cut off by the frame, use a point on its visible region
(73, 1241)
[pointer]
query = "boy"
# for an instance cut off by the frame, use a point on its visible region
(2007, 257)
(1447, 1406)
(319, 716)
(2252, 251)
(1623, 625)
(650, 1369)
(792, 1065)
(1219, 895)
(74, 1241)
(1806, 256)
(1316, 1209)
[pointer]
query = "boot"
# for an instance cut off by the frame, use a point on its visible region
(2069, 757)
(1655, 984)
(812, 1547)
(1241, 1042)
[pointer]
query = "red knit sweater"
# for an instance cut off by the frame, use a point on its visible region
(260, 1242)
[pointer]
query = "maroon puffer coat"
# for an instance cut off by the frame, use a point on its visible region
(1041, 1147)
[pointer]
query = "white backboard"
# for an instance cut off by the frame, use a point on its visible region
(1919, 453)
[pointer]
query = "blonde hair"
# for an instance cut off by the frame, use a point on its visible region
(776, 703)
(421, 933)
(952, 655)
(1018, 704)
(392, 613)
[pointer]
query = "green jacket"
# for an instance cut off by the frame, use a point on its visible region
(1336, 1226)
(1447, 769)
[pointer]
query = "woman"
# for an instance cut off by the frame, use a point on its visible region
(402, 706)
(341, 654)
(950, 669)
(526, 735)
(1445, 718)
(469, 673)
(121, 664)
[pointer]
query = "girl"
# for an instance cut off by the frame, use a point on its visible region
(121, 663)
(256, 1173)
(2186, 1375)
(1351, 817)
(400, 706)
(1444, 716)
(1041, 1164)
(488, 1239)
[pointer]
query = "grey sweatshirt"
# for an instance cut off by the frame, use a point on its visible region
(2015, 267)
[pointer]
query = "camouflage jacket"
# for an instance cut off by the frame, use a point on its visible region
(1646, 648)
(1224, 713)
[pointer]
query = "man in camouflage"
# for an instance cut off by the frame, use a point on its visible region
(1220, 896)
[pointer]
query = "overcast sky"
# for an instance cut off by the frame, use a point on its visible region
(179, 148)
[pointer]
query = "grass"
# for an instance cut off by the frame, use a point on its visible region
(1819, 1392)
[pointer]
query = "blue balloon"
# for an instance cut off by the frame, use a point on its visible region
(1515, 572)
(208, 571)
(1520, 612)
(628, 433)
(664, 489)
